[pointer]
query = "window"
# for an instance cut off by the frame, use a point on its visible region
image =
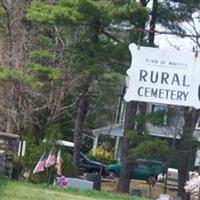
(158, 108)
(158, 115)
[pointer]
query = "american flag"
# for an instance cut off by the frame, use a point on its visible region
(59, 163)
(40, 165)
(51, 160)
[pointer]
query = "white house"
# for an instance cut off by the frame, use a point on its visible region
(172, 129)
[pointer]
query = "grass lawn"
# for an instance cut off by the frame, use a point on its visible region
(12, 190)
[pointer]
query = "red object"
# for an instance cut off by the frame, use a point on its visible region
(59, 163)
(40, 165)
(51, 160)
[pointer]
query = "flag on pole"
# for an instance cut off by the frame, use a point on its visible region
(40, 165)
(59, 163)
(51, 160)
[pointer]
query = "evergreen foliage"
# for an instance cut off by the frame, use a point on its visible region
(154, 149)
(7, 74)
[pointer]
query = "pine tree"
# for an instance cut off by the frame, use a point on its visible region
(89, 51)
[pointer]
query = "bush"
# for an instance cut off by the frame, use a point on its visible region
(154, 149)
(32, 156)
(17, 168)
(102, 155)
(68, 168)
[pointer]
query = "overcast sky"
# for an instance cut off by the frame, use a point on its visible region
(174, 42)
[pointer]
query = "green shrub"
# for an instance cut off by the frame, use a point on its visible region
(32, 156)
(17, 168)
(154, 149)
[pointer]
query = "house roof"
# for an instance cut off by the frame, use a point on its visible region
(112, 130)
(158, 131)
(9, 135)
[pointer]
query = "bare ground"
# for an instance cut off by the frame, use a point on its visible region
(110, 186)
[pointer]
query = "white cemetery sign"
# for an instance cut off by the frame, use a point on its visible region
(164, 76)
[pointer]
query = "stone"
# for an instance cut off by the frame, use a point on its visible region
(8, 143)
(164, 197)
(2, 152)
(79, 184)
(2, 141)
(4, 146)
(177, 198)
(8, 172)
(2, 162)
(136, 192)
(9, 153)
(95, 178)
(9, 165)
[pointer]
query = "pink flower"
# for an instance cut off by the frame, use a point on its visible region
(62, 181)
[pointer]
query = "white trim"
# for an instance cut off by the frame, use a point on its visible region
(65, 143)
(198, 124)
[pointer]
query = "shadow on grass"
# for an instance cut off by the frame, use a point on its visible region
(3, 182)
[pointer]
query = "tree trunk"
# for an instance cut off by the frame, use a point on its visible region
(131, 109)
(83, 101)
(127, 162)
(142, 105)
(15, 42)
(79, 122)
(141, 124)
(16, 37)
(191, 117)
(153, 22)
